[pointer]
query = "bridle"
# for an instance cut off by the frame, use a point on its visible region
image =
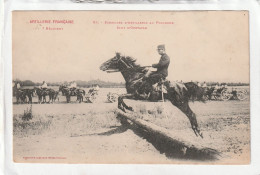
(120, 60)
(127, 66)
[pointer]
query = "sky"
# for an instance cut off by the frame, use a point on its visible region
(202, 45)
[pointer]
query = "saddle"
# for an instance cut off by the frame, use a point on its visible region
(160, 87)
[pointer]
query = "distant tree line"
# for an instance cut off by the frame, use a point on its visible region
(107, 84)
(229, 84)
(85, 84)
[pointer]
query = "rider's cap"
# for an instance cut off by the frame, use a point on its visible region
(161, 47)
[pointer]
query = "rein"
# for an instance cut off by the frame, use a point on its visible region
(127, 67)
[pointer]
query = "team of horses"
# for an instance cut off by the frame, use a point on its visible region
(68, 92)
(26, 95)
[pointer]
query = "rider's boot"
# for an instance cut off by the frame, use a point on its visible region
(143, 95)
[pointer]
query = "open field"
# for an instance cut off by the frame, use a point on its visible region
(91, 133)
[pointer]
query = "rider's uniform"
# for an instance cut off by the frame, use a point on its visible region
(162, 69)
(154, 77)
(44, 85)
(204, 85)
(18, 86)
(73, 85)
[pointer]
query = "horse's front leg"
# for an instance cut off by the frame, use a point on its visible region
(49, 99)
(30, 99)
(81, 98)
(44, 99)
(121, 103)
(17, 100)
(68, 98)
(40, 100)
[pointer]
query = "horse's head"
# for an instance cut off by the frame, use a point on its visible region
(36, 89)
(118, 63)
(62, 87)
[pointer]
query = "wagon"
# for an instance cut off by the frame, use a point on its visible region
(234, 94)
(112, 97)
(220, 94)
(225, 94)
(91, 96)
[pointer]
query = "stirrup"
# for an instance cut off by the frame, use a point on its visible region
(161, 81)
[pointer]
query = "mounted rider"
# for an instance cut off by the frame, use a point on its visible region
(73, 87)
(94, 89)
(155, 76)
(205, 86)
(44, 85)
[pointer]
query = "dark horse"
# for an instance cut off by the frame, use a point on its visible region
(43, 92)
(68, 92)
(177, 93)
(23, 94)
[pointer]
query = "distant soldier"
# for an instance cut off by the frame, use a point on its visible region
(217, 86)
(96, 88)
(44, 85)
(18, 86)
(204, 85)
(73, 85)
(199, 84)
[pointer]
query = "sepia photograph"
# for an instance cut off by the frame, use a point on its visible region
(131, 87)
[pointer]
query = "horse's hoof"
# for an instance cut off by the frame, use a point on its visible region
(119, 107)
(200, 134)
(130, 109)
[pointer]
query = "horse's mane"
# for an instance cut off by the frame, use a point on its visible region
(130, 61)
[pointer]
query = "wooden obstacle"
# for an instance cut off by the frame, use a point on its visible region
(172, 144)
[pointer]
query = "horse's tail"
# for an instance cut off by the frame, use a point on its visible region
(195, 92)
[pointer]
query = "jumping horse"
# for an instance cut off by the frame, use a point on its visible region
(178, 94)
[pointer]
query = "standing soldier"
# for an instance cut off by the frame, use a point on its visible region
(18, 86)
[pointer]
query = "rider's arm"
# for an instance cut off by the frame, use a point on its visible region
(165, 60)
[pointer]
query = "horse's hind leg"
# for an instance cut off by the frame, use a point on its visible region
(49, 99)
(185, 108)
(30, 99)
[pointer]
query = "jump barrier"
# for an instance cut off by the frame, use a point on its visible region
(172, 145)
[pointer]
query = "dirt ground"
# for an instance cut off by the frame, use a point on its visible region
(91, 133)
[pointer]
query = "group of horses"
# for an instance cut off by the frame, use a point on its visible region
(68, 92)
(26, 95)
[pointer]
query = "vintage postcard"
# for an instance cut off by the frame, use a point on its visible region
(131, 87)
